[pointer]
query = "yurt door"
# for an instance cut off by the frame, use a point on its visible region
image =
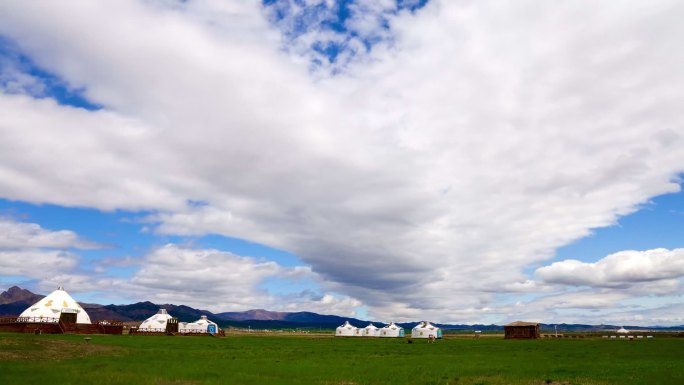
(68, 318)
(211, 329)
(172, 325)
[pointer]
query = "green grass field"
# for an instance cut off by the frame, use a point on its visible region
(68, 359)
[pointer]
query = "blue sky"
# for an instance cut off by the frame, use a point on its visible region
(395, 160)
(659, 223)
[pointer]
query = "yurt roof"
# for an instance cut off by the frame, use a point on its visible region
(157, 321)
(371, 326)
(204, 321)
(426, 325)
(55, 303)
(161, 313)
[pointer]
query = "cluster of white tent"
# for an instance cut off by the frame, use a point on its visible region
(157, 323)
(59, 301)
(202, 325)
(422, 330)
(51, 308)
(348, 330)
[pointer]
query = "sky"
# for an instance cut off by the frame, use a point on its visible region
(393, 160)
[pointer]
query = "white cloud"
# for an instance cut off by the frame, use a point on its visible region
(424, 178)
(597, 307)
(30, 251)
(201, 273)
(582, 300)
(670, 315)
(20, 235)
(36, 264)
(222, 281)
(203, 278)
(622, 270)
(15, 81)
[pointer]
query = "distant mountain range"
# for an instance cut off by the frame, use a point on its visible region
(17, 294)
(15, 300)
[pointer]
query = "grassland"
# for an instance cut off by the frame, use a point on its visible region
(68, 359)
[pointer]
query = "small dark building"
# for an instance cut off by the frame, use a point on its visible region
(521, 330)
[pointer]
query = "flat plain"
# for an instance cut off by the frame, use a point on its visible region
(246, 359)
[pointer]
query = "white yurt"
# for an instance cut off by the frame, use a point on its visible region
(622, 330)
(156, 323)
(371, 331)
(202, 325)
(56, 303)
(391, 330)
(425, 330)
(346, 330)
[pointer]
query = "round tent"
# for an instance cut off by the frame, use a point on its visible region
(346, 330)
(391, 330)
(156, 323)
(622, 330)
(371, 331)
(54, 305)
(425, 330)
(202, 325)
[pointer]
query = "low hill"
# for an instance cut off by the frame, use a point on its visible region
(294, 317)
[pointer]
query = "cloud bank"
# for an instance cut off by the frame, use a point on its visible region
(622, 270)
(28, 250)
(420, 177)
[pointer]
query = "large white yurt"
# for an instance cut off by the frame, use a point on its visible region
(156, 323)
(56, 303)
(425, 330)
(202, 325)
(346, 330)
(370, 331)
(391, 330)
(622, 330)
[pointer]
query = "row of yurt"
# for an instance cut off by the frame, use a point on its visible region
(389, 331)
(163, 322)
(58, 312)
(425, 329)
(202, 325)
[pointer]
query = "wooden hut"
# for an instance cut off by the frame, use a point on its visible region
(521, 330)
